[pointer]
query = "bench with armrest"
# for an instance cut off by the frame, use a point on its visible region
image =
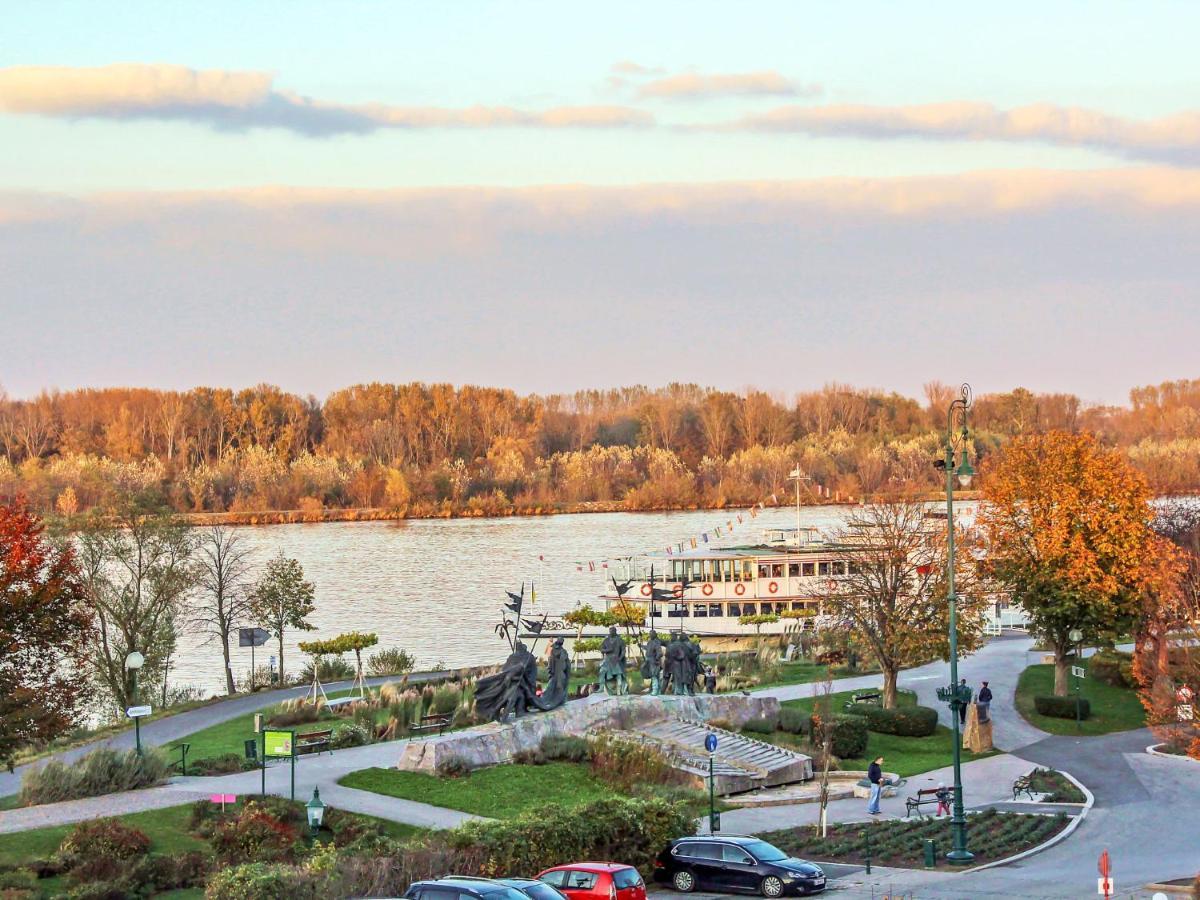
(1023, 785)
(864, 697)
(924, 797)
(314, 741)
(438, 722)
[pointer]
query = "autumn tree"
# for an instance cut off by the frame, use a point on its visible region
(282, 599)
(137, 566)
(1067, 527)
(893, 597)
(44, 632)
(223, 595)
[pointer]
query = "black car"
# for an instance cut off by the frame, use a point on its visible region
(466, 888)
(734, 863)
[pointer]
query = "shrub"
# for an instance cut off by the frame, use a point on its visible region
(256, 835)
(533, 757)
(351, 734)
(331, 668)
(633, 831)
(258, 881)
(103, 771)
(1062, 707)
(300, 714)
(566, 748)
(18, 883)
(758, 726)
(110, 838)
(906, 721)
(226, 764)
(794, 721)
(445, 699)
(392, 661)
(848, 735)
(724, 724)
(453, 767)
(1112, 667)
(144, 876)
(624, 763)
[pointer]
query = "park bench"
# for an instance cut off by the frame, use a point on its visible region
(924, 797)
(435, 722)
(314, 740)
(337, 702)
(1023, 785)
(864, 697)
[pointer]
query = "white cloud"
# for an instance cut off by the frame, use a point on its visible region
(697, 86)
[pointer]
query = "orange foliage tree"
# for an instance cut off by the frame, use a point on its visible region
(1067, 523)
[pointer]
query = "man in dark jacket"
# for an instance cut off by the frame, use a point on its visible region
(875, 776)
(983, 702)
(964, 699)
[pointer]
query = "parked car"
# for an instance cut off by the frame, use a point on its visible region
(735, 863)
(534, 889)
(463, 888)
(596, 881)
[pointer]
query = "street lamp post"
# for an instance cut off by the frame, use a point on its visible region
(1076, 637)
(957, 697)
(133, 663)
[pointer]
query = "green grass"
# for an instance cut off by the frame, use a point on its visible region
(167, 829)
(9, 802)
(1113, 708)
(498, 792)
(906, 756)
(801, 671)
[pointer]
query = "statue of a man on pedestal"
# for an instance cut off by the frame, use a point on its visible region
(558, 676)
(612, 668)
(652, 662)
(677, 664)
(694, 667)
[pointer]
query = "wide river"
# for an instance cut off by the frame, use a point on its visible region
(434, 587)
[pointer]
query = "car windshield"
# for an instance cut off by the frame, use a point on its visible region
(505, 893)
(764, 852)
(539, 891)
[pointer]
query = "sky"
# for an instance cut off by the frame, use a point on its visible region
(550, 196)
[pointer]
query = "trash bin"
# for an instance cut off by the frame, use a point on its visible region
(930, 854)
(251, 746)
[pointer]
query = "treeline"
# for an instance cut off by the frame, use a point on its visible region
(439, 450)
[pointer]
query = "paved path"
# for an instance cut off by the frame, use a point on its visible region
(171, 728)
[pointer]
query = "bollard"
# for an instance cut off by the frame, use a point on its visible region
(930, 854)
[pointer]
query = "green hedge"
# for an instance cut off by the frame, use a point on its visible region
(906, 721)
(849, 735)
(795, 721)
(758, 726)
(1062, 707)
(1112, 667)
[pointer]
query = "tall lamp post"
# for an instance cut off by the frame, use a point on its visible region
(955, 694)
(133, 663)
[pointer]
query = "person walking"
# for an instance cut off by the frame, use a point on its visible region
(965, 700)
(984, 701)
(875, 777)
(943, 799)
(710, 680)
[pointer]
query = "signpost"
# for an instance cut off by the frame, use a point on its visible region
(1104, 885)
(252, 637)
(1076, 637)
(714, 817)
(279, 745)
(223, 799)
(136, 713)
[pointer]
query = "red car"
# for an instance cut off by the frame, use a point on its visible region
(596, 881)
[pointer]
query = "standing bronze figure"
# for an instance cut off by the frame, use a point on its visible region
(652, 662)
(612, 669)
(558, 676)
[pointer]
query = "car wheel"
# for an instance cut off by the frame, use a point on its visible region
(684, 881)
(772, 886)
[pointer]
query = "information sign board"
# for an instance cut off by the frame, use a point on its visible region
(279, 743)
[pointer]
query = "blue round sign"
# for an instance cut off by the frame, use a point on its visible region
(710, 743)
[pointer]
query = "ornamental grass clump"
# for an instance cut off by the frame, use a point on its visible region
(103, 771)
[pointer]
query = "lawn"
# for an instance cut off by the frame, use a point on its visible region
(839, 699)
(801, 671)
(168, 830)
(992, 836)
(498, 792)
(906, 756)
(1113, 708)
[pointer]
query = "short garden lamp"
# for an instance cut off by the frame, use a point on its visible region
(316, 812)
(134, 662)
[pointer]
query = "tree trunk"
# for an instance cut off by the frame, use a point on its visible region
(1061, 670)
(281, 657)
(229, 685)
(890, 674)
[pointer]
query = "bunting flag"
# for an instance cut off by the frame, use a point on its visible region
(693, 540)
(670, 552)
(591, 567)
(739, 518)
(753, 513)
(705, 537)
(717, 531)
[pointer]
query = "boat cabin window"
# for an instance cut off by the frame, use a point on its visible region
(714, 610)
(809, 569)
(734, 609)
(793, 570)
(677, 611)
(796, 604)
(764, 570)
(749, 609)
(825, 568)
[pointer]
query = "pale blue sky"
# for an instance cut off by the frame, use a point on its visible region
(748, 269)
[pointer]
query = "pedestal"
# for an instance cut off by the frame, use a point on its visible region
(977, 736)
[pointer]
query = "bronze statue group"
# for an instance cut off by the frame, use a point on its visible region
(671, 668)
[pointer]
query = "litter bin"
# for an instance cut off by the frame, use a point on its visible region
(251, 749)
(930, 854)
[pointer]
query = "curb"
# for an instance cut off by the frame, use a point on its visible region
(1162, 755)
(1061, 836)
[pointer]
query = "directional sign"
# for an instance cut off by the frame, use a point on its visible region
(1077, 671)
(136, 712)
(252, 637)
(710, 743)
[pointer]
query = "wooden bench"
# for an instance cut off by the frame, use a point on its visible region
(314, 740)
(436, 722)
(864, 697)
(343, 701)
(924, 797)
(1023, 785)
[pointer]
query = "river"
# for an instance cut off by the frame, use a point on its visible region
(434, 587)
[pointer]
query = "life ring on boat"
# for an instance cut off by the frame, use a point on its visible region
(677, 590)
(773, 587)
(707, 590)
(646, 591)
(739, 589)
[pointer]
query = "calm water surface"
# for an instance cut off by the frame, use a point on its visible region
(435, 586)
